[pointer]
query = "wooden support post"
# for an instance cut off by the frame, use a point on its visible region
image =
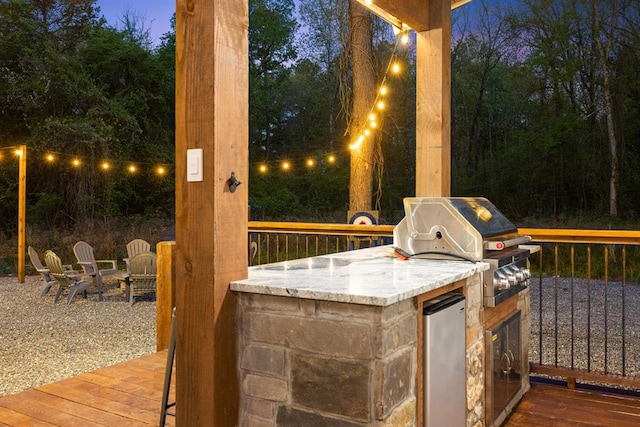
(433, 103)
(211, 220)
(22, 211)
(165, 292)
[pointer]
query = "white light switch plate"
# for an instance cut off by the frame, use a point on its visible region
(194, 165)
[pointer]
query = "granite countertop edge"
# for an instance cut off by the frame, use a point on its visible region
(372, 276)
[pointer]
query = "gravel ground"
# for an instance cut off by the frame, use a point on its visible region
(594, 334)
(42, 342)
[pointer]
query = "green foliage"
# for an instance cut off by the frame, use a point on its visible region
(528, 129)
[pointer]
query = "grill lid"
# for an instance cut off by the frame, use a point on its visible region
(441, 227)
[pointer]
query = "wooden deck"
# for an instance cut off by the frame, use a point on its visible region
(130, 394)
(126, 394)
(554, 405)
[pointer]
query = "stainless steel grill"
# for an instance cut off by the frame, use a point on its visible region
(471, 229)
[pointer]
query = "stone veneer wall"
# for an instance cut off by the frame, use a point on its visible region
(475, 353)
(307, 363)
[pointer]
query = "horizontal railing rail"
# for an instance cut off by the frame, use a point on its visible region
(282, 241)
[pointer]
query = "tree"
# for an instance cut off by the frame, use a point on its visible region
(271, 51)
(364, 92)
(604, 37)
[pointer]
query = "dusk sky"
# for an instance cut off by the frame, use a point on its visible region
(157, 13)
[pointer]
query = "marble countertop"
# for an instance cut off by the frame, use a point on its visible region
(372, 276)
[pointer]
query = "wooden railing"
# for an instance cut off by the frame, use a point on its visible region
(584, 295)
(584, 304)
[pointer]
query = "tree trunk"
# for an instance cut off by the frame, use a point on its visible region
(364, 93)
(603, 56)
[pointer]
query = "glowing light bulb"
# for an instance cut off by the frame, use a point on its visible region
(263, 168)
(76, 162)
(18, 152)
(384, 90)
(286, 165)
(160, 170)
(132, 168)
(50, 158)
(331, 158)
(367, 132)
(395, 68)
(380, 105)
(372, 117)
(373, 124)
(105, 166)
(405, 37)
(368, 2)
(311, 163)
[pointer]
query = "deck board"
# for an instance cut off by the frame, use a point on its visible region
(129, 394)
(125, 394)
(553, 405)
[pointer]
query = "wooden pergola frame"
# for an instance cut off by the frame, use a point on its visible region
(211, 220)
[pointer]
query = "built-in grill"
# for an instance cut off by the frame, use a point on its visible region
(466, 228)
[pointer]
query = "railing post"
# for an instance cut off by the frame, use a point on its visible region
(165, 292)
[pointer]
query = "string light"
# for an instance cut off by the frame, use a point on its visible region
(78, 162)
(379, 103)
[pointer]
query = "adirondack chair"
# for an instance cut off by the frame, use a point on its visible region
(90, 266)
(73, 281)
(135, 247)
(142, 277)
(44, 271)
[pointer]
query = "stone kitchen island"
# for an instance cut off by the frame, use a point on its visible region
(336, 340)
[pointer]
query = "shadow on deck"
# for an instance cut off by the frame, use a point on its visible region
(125, 394)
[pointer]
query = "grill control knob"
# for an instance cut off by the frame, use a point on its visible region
(527, 273)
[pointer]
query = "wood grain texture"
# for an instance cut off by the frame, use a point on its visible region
(433, 104)
(125, 394)
(552, 405)
(165, 292)
(211, 222)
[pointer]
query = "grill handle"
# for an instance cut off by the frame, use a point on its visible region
(498, 245)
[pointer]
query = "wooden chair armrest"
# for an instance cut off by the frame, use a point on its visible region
(114, 263)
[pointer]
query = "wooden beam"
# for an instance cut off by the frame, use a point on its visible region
(433, 104)
(211, 221)
(165, 292)
(22, 212)
(413, 13)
